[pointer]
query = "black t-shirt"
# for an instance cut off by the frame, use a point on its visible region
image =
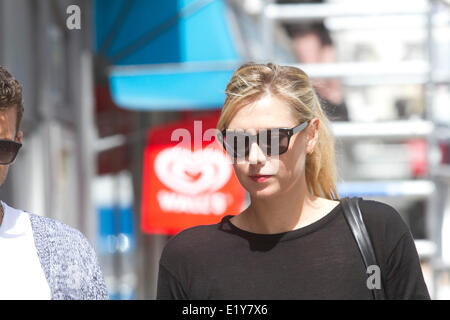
(318, 261)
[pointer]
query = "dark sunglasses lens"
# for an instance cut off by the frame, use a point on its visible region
(8, 151)
(273, 143)
(236, 144)
(283, 142)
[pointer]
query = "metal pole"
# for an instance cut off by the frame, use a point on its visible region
(267, 32)
(87, 128)
(82, 103)
(434, 206)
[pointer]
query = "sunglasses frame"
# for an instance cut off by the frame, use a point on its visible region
(18, 144)
(288, 131)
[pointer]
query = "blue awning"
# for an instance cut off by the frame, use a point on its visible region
(166, 55)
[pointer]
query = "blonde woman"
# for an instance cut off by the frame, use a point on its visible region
(292, 241)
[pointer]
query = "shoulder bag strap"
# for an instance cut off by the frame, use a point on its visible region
(352, 213)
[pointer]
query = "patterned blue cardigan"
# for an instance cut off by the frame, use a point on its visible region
(69, 262)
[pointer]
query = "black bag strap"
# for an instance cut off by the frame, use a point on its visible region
(352, 213)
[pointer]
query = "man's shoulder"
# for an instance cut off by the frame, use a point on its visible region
(68, 259)
(49, 232)
(54, 231)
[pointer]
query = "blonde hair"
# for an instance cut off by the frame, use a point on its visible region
(251, 81)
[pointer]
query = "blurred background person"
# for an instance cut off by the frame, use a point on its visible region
(312, 44)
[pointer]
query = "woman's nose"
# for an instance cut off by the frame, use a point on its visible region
(256, 155)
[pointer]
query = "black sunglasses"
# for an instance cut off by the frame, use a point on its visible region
(8, 151)
(272, 142)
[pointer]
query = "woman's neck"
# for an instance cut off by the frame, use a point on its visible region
(285, 212)
(276, 217)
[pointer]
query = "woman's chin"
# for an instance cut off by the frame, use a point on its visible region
(265, 192)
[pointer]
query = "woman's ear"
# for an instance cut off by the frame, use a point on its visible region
(313, 135)
(19, 136)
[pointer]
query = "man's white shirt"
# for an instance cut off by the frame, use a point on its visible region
(21, 273)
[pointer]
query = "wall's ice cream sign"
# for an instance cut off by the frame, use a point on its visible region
(187, 181)
(194, 180)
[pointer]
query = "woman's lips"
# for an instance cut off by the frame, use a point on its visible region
(260, 178)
